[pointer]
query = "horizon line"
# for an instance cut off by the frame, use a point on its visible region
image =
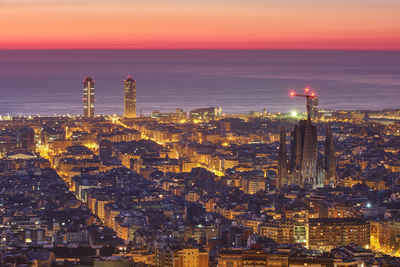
(225, 113)
(202, 49)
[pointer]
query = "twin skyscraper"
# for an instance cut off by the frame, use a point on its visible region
(129, 97)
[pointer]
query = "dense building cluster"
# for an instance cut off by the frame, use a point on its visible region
(200, 189)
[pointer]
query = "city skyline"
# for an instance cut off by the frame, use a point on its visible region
(205, 133)
(238, 81)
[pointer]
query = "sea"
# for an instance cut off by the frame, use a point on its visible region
(45, 82)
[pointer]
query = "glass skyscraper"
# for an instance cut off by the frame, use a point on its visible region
(88, 97)
(130, 98)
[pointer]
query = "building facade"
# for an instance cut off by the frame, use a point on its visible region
(313, 106)
(88, 97)
(130, 98)
(327, 233)
(304, 158)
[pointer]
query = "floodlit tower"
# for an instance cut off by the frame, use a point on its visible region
(304, 145)
(88, 97)
(130, 98)
(304, 154)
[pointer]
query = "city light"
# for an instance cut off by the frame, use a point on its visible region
(165, 188)
(105, 160)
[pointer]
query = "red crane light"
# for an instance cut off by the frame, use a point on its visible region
(308, 96)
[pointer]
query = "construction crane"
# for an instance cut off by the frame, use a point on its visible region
(308, 96)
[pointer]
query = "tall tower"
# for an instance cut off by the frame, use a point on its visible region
(88, 97)
(282, 161)
(130, 98)
(304, 154)
(330, 161)
(304, 146)
(312, 103)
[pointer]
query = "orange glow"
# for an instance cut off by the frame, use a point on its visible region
(292, 93)
(225, 144)
(312, 94)
(219, 24)
(307, 89)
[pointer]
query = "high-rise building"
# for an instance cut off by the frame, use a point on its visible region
(282, 161)
(304, 157)
(312, 104)
(130, 98)
(330, 162)
(88, 97)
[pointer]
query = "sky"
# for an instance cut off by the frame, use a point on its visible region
(200, 24)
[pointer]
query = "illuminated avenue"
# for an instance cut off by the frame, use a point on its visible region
(200, 188)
